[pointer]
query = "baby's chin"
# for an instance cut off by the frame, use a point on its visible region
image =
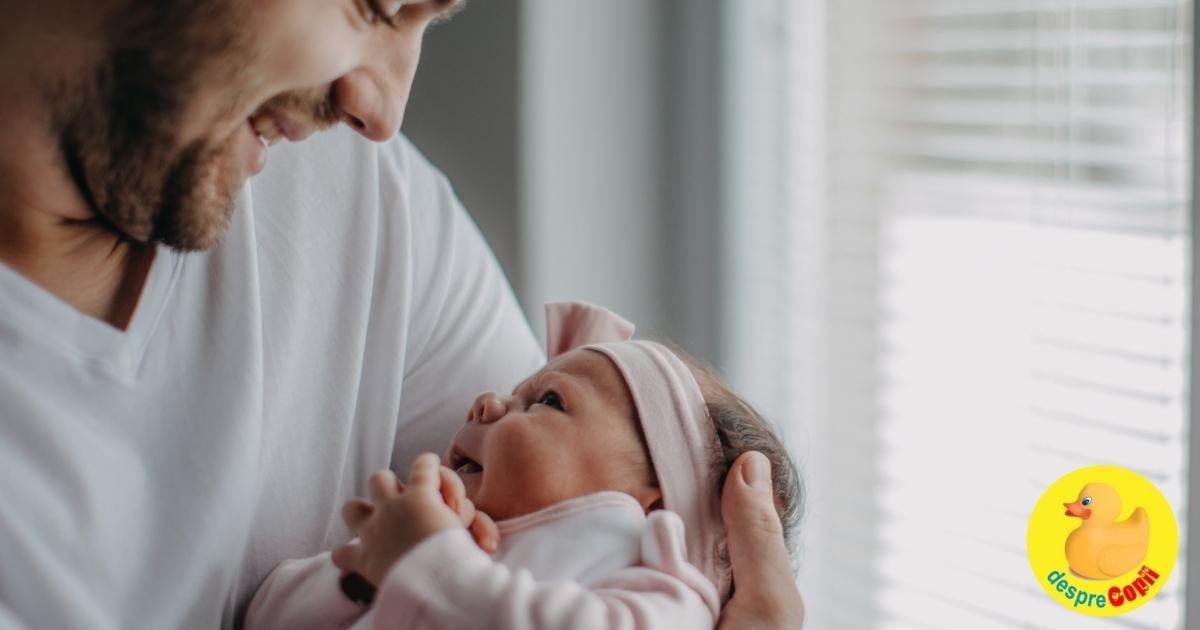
(498, 507)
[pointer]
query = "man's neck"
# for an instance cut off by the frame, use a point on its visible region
(48, 232)
(80, 262)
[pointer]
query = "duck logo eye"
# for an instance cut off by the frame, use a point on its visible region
(1086, 501)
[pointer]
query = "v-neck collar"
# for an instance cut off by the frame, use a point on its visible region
(35, 313)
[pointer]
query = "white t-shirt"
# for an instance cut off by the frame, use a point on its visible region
(152, 478)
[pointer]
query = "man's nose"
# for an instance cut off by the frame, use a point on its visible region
(371, 102)
(489, 407)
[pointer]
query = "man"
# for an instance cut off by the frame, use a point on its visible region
(196, 371)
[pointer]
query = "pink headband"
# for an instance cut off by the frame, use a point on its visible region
(673, 414)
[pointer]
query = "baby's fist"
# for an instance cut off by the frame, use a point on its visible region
(395, 521)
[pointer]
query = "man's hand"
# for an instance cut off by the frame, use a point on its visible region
(396, 520)
(765, 595)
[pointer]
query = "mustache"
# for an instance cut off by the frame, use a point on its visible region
(315, 105)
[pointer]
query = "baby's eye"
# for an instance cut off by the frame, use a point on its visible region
(551, 399)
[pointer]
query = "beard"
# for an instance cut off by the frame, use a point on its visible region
(118, 127)
(149, 189)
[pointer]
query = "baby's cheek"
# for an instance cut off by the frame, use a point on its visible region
(516, 452)
(533, 469)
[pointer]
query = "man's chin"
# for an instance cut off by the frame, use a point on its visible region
(199, 232)
(199, 201)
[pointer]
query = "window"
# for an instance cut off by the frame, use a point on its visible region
(960, 252)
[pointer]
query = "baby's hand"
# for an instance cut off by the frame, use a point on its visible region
(483, 529)
(399, 517)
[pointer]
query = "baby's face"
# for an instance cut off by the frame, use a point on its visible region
(568, 430)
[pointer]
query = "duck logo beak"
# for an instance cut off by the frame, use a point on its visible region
(1074, 509)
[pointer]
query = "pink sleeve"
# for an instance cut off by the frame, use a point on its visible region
(446, 582)
(302, 594)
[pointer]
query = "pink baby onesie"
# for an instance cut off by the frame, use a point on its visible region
(596, 561)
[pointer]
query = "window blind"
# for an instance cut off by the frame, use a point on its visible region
(959, 244)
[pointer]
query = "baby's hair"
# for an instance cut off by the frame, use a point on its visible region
(740, 429)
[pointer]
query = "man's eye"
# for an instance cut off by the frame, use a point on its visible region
(551, 399)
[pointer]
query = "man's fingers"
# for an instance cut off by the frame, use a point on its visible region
(424, 472)
(483, 529)
(355, 512)
(346, 557)
(761, 565)
(765, 593)
(383, 485)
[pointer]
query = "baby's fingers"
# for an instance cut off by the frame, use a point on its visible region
(484, 531)
(347, 556)
(355, 512)
(454, 495)
(383, 485)
(424, 472)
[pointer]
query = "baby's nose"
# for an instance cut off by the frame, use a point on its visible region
(489, 407)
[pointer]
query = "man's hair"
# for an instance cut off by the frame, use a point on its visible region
(741, 429)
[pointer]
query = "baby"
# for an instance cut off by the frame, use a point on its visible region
(602, 472)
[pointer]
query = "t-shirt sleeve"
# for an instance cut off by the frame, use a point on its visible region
(447, 583)
(467, 333)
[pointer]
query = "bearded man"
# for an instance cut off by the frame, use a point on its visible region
(197, 370)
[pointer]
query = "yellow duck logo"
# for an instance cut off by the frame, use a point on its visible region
(1101, 548)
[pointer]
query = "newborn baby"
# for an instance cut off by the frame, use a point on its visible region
(603, 474)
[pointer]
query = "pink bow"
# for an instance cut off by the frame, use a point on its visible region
(570, 325)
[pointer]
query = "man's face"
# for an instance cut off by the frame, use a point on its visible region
(165, 132)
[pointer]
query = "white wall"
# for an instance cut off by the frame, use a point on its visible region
(463, 116)
(584, 139)
(590, 176)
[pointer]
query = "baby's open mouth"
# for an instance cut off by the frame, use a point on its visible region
(463, 464)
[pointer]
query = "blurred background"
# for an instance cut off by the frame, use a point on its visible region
(946, 245)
